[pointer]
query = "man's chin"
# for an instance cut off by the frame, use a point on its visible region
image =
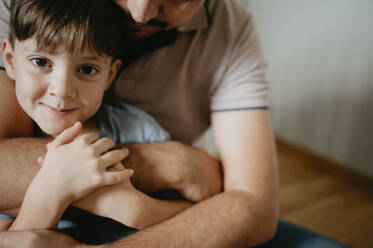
(142, 35)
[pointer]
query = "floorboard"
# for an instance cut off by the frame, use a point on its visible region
(325, 197)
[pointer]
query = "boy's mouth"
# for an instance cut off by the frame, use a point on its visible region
(59, 111)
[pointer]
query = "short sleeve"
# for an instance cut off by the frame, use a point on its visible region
(4, 24)
(126, 124)
(244, 84)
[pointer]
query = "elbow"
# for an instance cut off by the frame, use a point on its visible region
(259, 217)
(264, 226)
(268, 217)
(269, 230)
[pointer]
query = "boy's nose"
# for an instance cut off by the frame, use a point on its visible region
(143, 11)
(62, 87)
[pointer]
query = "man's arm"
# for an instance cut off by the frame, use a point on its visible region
(18, 155)
(161, 165)
(246, 213)
(242, 216)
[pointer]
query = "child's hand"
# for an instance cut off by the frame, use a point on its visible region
(75, 166)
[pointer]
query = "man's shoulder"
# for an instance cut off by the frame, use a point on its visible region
(228, 11)
(229, 21)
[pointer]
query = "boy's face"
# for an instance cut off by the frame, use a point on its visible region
(152, 16)
(58, 89)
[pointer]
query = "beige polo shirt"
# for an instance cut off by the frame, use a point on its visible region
(216, 64)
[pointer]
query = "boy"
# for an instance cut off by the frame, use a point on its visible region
(60, 78)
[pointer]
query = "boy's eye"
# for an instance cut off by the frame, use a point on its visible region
(88, 70)
(39, 62)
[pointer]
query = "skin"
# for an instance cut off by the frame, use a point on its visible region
(62, 158)
(172, 13)
(57, 90)
(248, 205)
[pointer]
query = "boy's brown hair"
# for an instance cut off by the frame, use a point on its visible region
(70, 23)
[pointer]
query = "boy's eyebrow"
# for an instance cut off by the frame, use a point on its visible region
(99, 58)
(32, 48)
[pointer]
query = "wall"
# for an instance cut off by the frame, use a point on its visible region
(320, 56)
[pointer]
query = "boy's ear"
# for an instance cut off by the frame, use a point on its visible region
(8, 56)
(114, 68)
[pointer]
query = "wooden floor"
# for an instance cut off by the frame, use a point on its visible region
(317, 194)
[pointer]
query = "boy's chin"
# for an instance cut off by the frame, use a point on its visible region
(52, 131)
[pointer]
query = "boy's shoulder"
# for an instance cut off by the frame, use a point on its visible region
(128, 124)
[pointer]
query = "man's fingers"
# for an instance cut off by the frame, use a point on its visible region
(67, 135)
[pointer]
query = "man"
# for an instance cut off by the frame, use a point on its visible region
(214, 73)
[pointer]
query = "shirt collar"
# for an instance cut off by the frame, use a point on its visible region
(200, 20)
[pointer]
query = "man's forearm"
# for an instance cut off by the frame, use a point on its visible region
(229, 219)
(18, 166)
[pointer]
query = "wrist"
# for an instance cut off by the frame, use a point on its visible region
(41, 193)
(38, 213)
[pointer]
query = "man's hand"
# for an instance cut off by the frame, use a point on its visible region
(173, 165)
(201, 175)
(37, 239)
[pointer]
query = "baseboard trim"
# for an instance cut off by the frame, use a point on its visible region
(329, 165)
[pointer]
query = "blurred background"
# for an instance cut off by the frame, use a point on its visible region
(320, 57)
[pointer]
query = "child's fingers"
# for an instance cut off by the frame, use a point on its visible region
(116, 167)
(89, 138)
(103, 145)
(113, 157)
(117, 176)
(67, 135)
